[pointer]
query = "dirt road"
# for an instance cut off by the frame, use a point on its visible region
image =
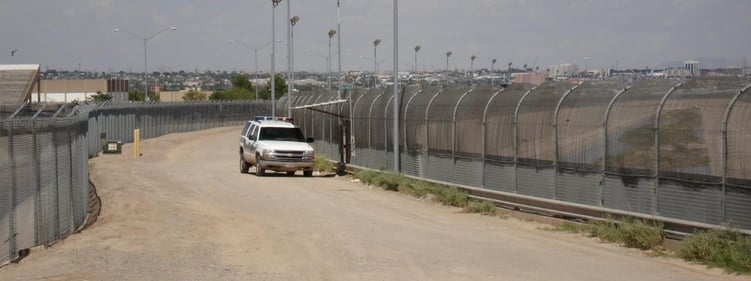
(184, 212)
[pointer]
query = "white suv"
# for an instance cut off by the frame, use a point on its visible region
(276, 145)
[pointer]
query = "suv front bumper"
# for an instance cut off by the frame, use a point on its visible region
(287, 166)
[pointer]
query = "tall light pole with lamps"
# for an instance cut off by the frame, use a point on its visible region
(291, 84)
(395, 140)
(145, 57)
(375, 62)
(332, 32)
(448, 55)
(417, 49)
(273, 56)
(492, 72)
(471, 68)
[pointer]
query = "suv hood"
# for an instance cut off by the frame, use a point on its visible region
(287, 145)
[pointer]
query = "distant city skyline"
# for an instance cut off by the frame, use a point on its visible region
(631, 34)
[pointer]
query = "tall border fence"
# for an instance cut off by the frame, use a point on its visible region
(662, 148)
(665, 148)
(44, 160)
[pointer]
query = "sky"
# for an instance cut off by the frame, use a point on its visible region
(79, 34)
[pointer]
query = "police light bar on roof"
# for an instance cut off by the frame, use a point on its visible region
(278, 118)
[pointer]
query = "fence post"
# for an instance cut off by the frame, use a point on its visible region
(516, 138)
(605, 120)
(658, 114)
(453, 122)
(485, 131)
(37, 180)
(555, 139)
(12, 214)
(725, 120)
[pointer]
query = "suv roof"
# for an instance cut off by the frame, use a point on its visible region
(274, 123)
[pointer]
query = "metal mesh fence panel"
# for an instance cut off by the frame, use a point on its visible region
(469, 122)
(629, 193)
(499, 123)
(441, 120)
(630, 128)
(690, 132)
(738, 136)
(414, 120)
(499, 176)
(535, 145)
(46, 208)
(535, 181)
(63, 149)
(690, 201)
(6, 194)
(467, 172)
(580, 125)
(25, 186)
(738, 206)
(361, 115)
(377, 118)
(410, 92)
(578, 187)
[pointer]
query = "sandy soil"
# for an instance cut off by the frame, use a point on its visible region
(184, 212)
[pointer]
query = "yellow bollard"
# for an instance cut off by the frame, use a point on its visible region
(136, 143)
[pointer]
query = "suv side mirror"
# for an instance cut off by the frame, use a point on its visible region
(310, 140)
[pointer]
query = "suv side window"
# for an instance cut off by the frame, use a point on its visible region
(246, 129)
(253, 132)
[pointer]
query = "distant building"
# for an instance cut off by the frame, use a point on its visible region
(563, 70)
(80, 90)
(534, 78)
(677, 72)
(692, 66)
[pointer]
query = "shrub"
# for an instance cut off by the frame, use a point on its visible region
(323, 165)
(726, 248)
(388, 181)
(567, 226)
(484, 207)
(366, 176)
(631, 233)
(451, 196)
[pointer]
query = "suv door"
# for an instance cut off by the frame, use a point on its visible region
(252, 143)
(245, 142)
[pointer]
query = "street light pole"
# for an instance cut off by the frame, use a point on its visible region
(145, 57)
(417, 49)
(492, 73)
(448, 54)
(273, 56)
(375, 62)
(471, 68)
(291, 84)
(332, 32)
(395, 140)
(339, 48)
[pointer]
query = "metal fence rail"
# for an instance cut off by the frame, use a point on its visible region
(665, 148)
(44, 158)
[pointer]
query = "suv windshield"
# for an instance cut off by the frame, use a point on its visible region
(281, 134)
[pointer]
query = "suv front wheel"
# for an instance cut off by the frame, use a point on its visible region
(259, 169)
(244, 166)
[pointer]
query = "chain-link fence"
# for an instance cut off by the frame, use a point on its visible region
(675, 149)
(44, 191)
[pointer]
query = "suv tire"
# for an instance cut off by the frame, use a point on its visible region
(259, 170)
(244, 166)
